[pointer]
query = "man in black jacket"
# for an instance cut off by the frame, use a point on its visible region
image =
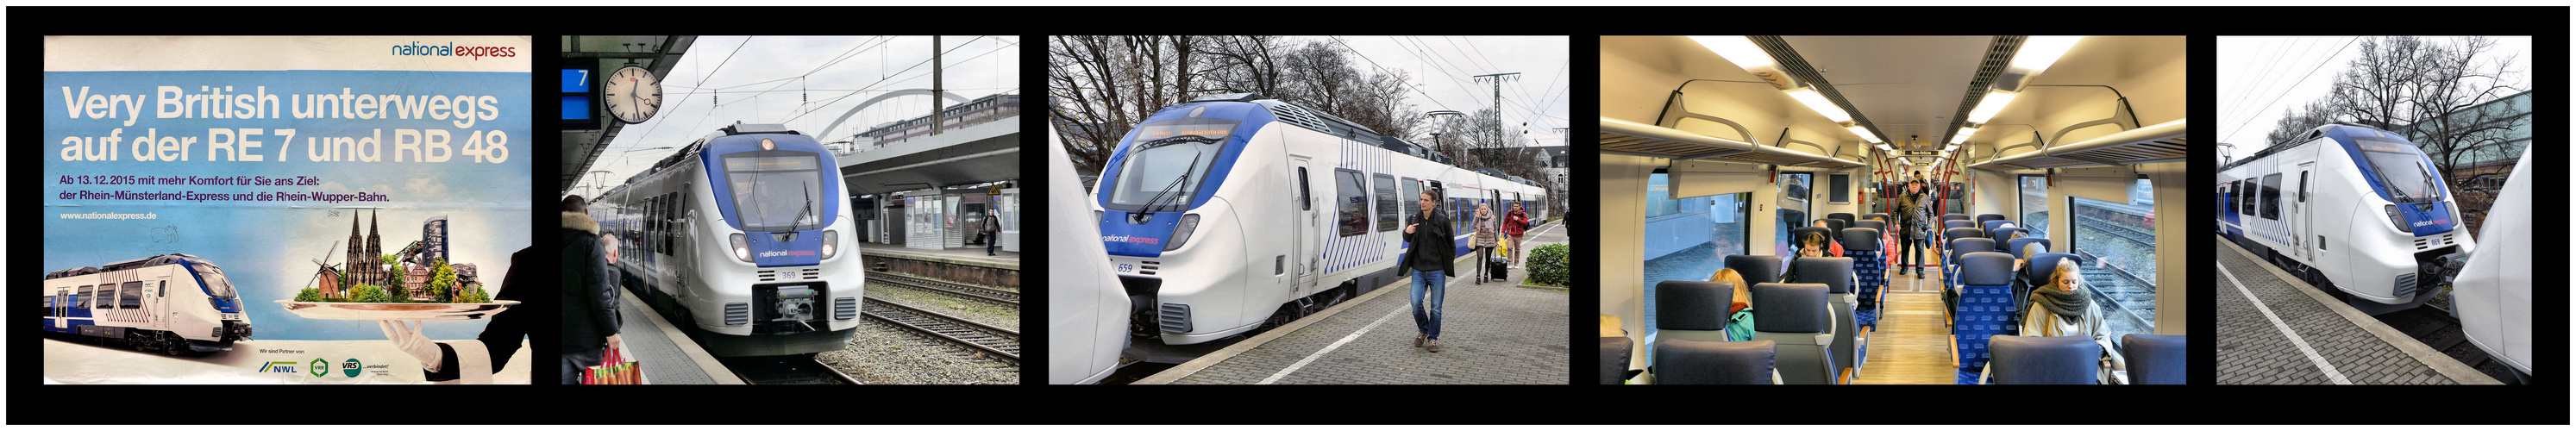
(1429, 260)
(589, 301)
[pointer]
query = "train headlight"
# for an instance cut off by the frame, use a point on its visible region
(831, 242)
(741, 249)
(1181, 233)
(2395, 219)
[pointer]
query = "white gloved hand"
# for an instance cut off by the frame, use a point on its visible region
(407, 337)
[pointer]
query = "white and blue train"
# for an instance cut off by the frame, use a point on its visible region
(173, 303)
(1238, 212)
(2358, 208)
(740, 235)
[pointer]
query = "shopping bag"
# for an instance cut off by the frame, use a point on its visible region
(613, 369)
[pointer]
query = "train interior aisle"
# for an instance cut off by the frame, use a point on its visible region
(1757, 195)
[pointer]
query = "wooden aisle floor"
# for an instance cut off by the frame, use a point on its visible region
(1910, 346)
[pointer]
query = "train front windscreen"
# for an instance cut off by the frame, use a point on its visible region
(2401, 168)
(1169, 161)
(777, 190)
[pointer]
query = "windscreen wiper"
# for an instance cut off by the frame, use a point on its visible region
(1168, 190)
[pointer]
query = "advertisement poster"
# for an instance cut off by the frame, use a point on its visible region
(283, 209)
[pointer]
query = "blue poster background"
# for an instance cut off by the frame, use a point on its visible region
(268, 247)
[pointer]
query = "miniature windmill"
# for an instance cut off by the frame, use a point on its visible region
(327, 275)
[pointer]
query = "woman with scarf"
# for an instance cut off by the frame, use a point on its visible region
(1486, 234)
(2061, 309)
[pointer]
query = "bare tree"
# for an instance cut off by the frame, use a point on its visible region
(2298, 120)
(1245, 64)
(2426, 88)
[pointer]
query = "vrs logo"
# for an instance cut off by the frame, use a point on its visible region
(351, 367)
(278, 367)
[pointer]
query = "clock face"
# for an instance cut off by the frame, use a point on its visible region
(632, 94)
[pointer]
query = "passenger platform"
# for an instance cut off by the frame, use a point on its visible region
(1491, 333)
(968, 266)
(665, 353)
(2275, 330)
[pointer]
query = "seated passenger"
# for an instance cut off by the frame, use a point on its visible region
(2060, 309)
(1739, 315)
(1833, 246)
(1812, 245)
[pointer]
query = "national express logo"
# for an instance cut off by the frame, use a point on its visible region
(1130, 239)
(451, 50)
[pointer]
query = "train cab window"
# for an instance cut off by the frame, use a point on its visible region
(1305, 199)
(2118, 249)
(2303, 186)
(1351, 202)
(1386, 203)
(130, 295)
(2272, 196)
(2034, 205)
(81, 299)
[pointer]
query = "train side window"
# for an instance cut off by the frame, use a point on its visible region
(81, 300)
(1386, 203)
(670, 220)
(1351, 201)
(2272, 196)
(106, 297)
(2245, 196)
(1412, 192)
(130, 295)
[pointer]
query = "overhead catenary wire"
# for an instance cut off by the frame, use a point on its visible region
(2240, 125)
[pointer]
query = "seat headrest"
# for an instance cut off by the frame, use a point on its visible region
(1879, 216)
(2004, 233)
(1949, 217)
(1756, 269)
(1692, 305)
(2040, 265)
(1614, 359)
(1837, 224)
(1872, 224)
(2018, 247)
(1986, 269)
(1791, 307)
(2043, 360)
(1983, 218)
(1959, 224)
(1833, 272)
(1963, 246)
(2156, 359)
(1963, 232)
(1686, 362)
(1863, 238)
(1839, 216)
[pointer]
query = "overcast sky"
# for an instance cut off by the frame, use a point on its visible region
(760, 83)
(1443, 68)
(2260, 77)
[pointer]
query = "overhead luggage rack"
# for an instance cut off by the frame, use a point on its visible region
(2151, 144)
(1623, 137)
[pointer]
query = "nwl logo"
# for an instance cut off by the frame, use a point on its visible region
(278, 367)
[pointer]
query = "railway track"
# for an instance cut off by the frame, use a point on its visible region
(954, 289)
(995, 342)
(785, 370)
(2437, 329)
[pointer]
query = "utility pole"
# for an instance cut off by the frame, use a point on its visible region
(938, 114)
(1498, 99)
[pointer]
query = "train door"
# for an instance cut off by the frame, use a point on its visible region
(2298, 217)
(62, 303)
(974, 219)
(1307, 249)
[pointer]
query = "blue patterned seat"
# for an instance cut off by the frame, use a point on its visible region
(1984, 307)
